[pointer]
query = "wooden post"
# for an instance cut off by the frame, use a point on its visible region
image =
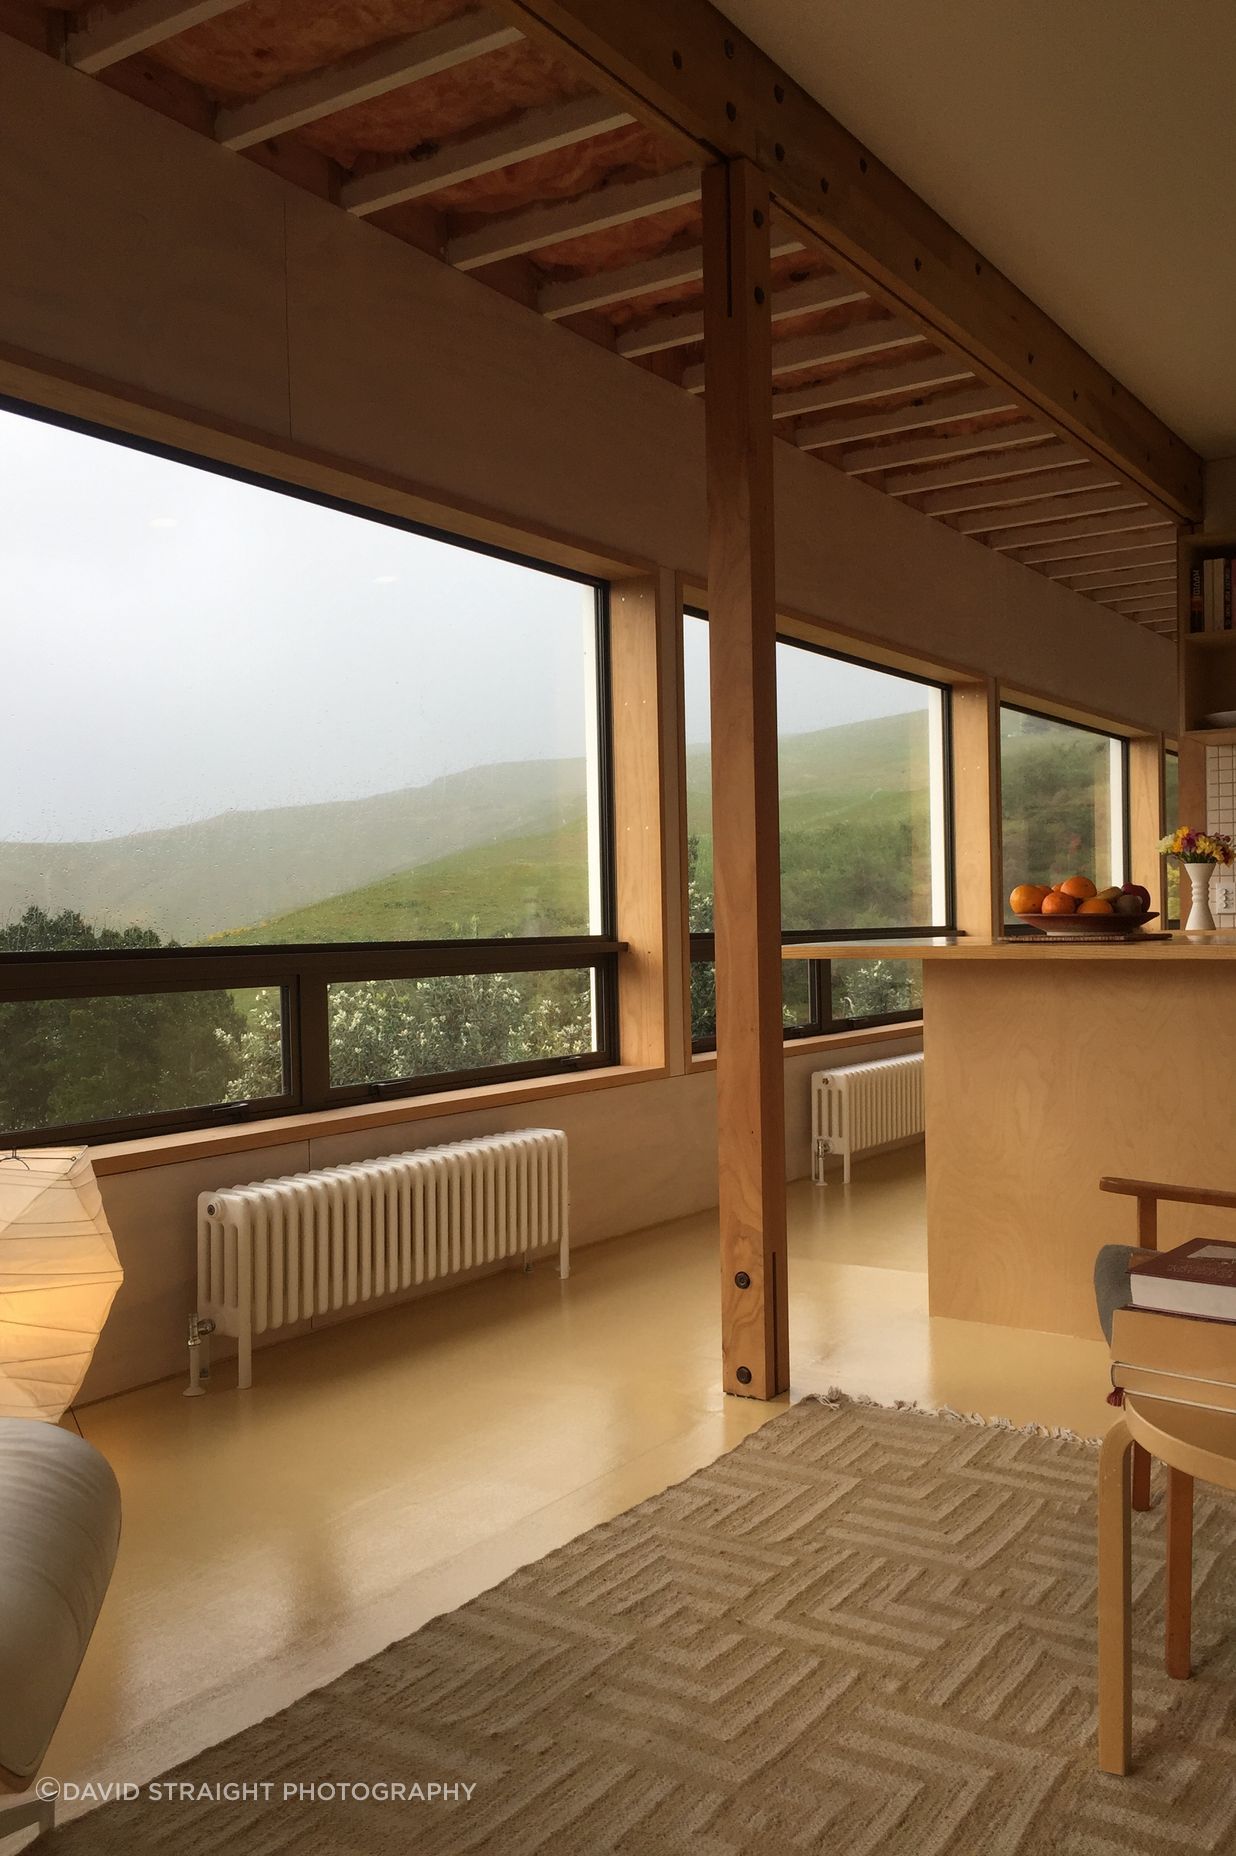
(978, 830)
(1146, 807)
(746, 849)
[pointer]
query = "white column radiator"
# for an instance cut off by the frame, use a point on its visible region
(282, 1250)
(864, 1105)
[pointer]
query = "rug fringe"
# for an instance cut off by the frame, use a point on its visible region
(836, 1399)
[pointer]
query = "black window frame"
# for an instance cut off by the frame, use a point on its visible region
(822, 1021)
(303, 973)
(1013, 927)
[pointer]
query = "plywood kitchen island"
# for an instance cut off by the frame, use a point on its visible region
(1048, 1066)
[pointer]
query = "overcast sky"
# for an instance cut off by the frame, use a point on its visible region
(177, 644)
(813, 691)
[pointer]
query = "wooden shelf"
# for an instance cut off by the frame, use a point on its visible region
(1211, 640)
(1213, 737)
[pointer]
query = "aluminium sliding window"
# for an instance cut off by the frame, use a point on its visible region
(303, 804)
(866, 831)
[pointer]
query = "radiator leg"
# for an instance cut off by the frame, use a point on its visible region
(199, 1356)
(845, 1177)
(244, 1361)
(564, 1257)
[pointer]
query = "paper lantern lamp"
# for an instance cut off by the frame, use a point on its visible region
(58, 1274)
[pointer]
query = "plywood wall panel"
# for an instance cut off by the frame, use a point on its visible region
(129, 249)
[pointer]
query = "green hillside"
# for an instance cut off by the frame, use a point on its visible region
(535, 885)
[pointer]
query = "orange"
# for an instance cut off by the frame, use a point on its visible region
(1054, 903)
(1027, 898)
(1078, 886)
(1096, 905)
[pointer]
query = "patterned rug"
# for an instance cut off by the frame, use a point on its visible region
(865, 1632)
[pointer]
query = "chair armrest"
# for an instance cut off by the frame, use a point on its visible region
(1148, 1193)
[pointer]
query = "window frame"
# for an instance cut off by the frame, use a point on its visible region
(303, 972)
(1014, 927)
(822, 1022)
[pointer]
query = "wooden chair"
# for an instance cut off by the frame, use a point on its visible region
(1149, 1194)
(1190, 1441)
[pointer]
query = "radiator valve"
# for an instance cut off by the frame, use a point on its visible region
(199, 1355)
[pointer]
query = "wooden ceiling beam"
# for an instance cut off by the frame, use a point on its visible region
(1132, 573)
(1051, 509)
(1075, 567)
(464, 157)
(105, 37)
(932, 450)
(1134, 520)
(942, 411)
(801, 351)
(1128, 608)
(362, 77)
(870, 383)
(627, 282)
(679, 331)
(509, 234)
(1036, 486)
(971, 470)
(691, 73)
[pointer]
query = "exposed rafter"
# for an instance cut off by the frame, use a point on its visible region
(942, 411)
(627, 282)
(803, 351)
(1140, 583)
(1072, 566)
(105, 37)
(1133, 520)
(365, 75)
(514, 233)
(971, 470)
(801, 299)
(1035, 486)
(690, 72)
(1094, 546)
(1137, 572)
(870, 383)
(1052, 509)
(930, 450)
(536, 132)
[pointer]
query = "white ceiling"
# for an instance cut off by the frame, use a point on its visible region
(1087, 147)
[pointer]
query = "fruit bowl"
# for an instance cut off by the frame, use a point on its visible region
(1077, 924)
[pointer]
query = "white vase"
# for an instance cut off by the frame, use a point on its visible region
(1199, 915)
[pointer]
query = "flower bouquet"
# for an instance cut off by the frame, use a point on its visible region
(1200, 852)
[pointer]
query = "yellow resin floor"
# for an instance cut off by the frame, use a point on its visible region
(390, 1468)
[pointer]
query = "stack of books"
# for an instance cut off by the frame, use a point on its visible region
(1177, 1340)
(1210, 595)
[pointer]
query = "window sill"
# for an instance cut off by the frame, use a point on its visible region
(832, 1040)
(202, 1143)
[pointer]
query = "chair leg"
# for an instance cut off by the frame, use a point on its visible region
(1141, 1478)
(1179, 1574)
(1115, 1602)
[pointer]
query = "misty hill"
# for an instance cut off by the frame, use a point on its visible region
(192, 882)
(533, 885)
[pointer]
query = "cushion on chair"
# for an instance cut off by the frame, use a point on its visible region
(59, 1528)
(1111, 1280)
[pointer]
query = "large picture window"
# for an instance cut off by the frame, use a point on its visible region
(301, 803)
(865, 831)
(1065, 810)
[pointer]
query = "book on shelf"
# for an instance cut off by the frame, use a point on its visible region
(1197, 599)
(1197, 1278)
(1187, 1359)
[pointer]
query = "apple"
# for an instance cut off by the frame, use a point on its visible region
(1129, 903)
(1136, 889)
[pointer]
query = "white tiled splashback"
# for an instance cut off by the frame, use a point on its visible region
(1221, 804)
